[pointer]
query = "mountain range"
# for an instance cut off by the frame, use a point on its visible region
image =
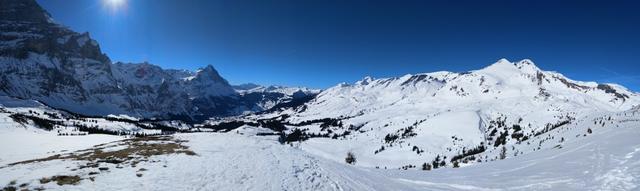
(45, 61)
(535, 129)
(407, 120)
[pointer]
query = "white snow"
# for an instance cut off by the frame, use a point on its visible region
(19, 143)
(605, 160)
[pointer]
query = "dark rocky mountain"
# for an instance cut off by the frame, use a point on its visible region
(48, 62)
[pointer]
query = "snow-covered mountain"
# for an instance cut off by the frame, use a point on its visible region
(45, 61)
(508, 126)
(599, 154)
(272, 97)
(407, 121)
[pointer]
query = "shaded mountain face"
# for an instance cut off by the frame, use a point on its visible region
(45, 61)
(21, 11)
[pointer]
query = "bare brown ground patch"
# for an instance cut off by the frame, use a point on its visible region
(62, 180)
(135, 150)
(128, 152)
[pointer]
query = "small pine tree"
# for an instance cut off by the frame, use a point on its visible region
(351, 159)
(455, 164)
(503, 153)
(436, 162)
(589, 131)
(426, 166)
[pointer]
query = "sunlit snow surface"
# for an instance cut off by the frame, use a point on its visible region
(608, 159)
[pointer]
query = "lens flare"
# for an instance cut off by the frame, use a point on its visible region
(115, 5)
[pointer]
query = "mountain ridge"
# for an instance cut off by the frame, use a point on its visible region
(401, 122)
(48, 62)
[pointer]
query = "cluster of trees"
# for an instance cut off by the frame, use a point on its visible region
(19, 118)
(49, 125)
(79, 133)
(52, 115)
(466, 153)
(379, 150)
(45, 124)
(38, 122)
(273, 124)
(502, 139)
(602, 121)
(426, 166)
(302, 135)
(499, 131)
(550, 126)
(97, 130)
(407, 167)
(295, 135)
(437, 162)
(390, 138)
(401, 134)
(158, 126)
(324, 122)
(226, 126)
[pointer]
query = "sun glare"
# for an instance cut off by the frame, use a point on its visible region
(115, 5)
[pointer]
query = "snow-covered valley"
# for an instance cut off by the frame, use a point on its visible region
(71, 119)
(607, 159)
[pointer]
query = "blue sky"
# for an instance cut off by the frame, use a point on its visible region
(319, 43)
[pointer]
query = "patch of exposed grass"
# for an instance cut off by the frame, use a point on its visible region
(50, 158)
(9, 188)
(124, 152)
(62, 180)
(135, 150)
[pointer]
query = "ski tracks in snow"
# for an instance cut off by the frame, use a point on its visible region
(622, 176)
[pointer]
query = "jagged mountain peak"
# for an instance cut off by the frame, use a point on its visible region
(23, 11)
(527, 66)
(365, 81)
(209, 73)
(208, 68)
(48, 62)
(525, 61)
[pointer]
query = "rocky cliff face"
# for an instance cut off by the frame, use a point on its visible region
(45, 61)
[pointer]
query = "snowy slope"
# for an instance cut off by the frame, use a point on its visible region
(606, 159)
(415, 119)
(27, 116)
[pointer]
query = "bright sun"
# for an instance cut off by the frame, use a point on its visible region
(115, 4)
